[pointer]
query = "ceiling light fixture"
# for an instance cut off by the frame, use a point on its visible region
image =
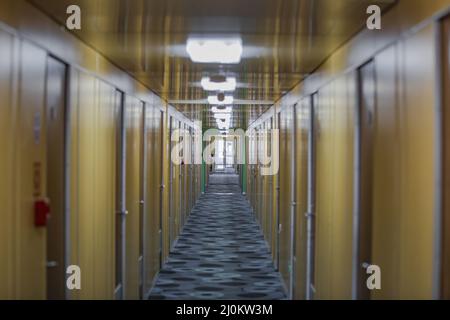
(215, 50)
(228, 109)
(223, 124)
(210, 85)
(215, 100)
(222, 116)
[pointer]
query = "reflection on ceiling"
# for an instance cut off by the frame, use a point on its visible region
(282, 42)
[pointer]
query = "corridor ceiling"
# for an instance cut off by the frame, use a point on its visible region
(283, 41)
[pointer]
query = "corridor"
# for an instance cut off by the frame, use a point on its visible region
(234, 149)
(221, 253)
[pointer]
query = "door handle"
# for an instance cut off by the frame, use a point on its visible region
(122, 213)
(52, 264)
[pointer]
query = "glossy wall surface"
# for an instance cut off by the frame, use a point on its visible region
(23, 168)
(403, 169)
(404, 166)
(334, 133)
(92, 174)
(93, 132)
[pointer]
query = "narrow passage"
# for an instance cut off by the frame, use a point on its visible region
(221, 253)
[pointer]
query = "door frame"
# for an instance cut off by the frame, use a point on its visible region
(161, 187)
(143, 200)
(293, 196)
(441, 275)
(179, 186)
(359, 165)
(277, 189)
(270, 184)
(311, 214)
(66, 166)
(121, 196)
(170, 216)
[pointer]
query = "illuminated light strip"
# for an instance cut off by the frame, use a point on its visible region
(215, 100)
(222, 115)
(224, 110)
(228, 85)
(223, 124)
(215, 50)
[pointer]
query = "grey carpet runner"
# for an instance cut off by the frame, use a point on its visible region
(221, 253)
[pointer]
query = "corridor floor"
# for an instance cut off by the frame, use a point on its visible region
(221, 253)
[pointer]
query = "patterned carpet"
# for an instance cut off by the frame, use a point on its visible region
(221, 253)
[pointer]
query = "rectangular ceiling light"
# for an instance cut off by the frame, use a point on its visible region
(223, 121)
(228, 109)
(215, 100)
(228, 85)
(215, 50)
(223, 125)
(222, 116)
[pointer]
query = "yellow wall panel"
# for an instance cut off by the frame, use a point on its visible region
(258, 177)
(418, 162)
(86, 190)
(105, 182)
(93, 185)
(23, 139)
(301, 197)
(74, 129)
(324, 194)
(167, 196)
(445, 228)
(386, 212)
(266, 191)
(134, 121)
(275, 197)
(31, 138)
(152, 199)
(174, 186)
(334, 190)
(150, 227)
(404, 201)
(286, 135)
(342, 214)
(7, 164)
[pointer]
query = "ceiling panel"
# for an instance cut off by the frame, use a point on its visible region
(284, 41)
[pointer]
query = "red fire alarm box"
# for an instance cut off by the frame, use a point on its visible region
(41, 212)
